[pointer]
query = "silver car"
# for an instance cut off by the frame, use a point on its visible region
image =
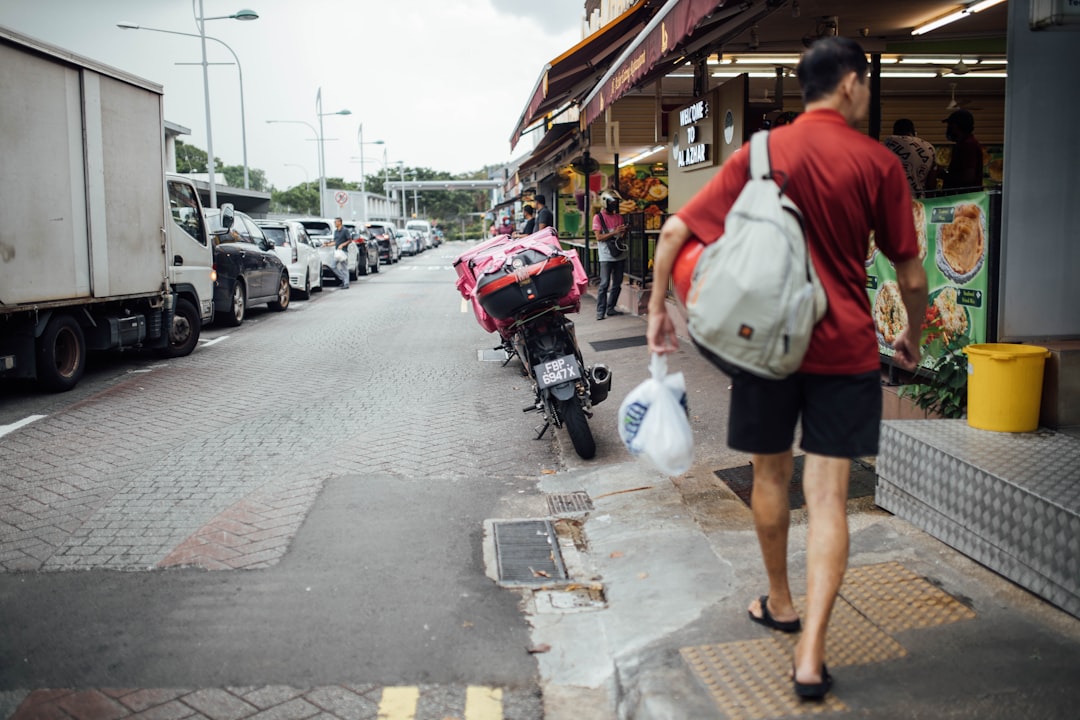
(298, 251)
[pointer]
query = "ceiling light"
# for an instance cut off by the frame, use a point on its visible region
(953, 17)
(642, 155)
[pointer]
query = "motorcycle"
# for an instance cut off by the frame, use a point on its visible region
(523, 289)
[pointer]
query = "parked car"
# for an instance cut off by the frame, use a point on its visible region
(321, 232)
(297, 251)
(249, 272)
(423, 227)
(383, 232)
(408, 242)
(368, 248)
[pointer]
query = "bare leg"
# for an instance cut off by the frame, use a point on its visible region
(825, 485)
(772, 515)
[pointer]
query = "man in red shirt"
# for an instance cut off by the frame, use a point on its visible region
(846, 185)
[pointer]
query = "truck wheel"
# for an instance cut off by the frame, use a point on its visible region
(282, 302)
(61, 354)
(184, 333)
(238, 306)
(577, 426)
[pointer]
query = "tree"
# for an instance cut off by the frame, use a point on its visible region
(302, 199)
(190, 159)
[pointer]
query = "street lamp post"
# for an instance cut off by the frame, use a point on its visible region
(239, 69)
(322, 149)
(363, 189)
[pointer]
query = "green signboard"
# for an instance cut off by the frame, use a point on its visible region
(953, 235)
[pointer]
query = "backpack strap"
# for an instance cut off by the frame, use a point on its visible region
(760, 169)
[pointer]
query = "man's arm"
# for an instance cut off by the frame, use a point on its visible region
(911, 277)
(661, 330)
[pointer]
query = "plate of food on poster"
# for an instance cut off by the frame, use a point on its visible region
(961, 244)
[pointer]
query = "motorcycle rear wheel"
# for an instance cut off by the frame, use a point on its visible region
(577, 425)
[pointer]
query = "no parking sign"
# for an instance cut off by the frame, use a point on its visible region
(341, 197)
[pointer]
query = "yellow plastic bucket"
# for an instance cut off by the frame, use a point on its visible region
(1005, 386)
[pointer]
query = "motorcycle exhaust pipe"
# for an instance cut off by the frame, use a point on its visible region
(599, 383)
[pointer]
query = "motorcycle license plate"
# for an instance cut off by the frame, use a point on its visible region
(557, 371)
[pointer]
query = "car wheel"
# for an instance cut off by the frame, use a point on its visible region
(184, 331)
(318, 277)
(282, 302)
(362, 264)
(307, 284)
(375, 267)
(61, 354)
(238, 305)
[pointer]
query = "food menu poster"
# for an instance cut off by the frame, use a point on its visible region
(643, 188)
(953, 239)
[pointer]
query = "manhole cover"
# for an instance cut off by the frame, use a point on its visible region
(741, 480)
(527, 552)
(619, 343)
(573, 503)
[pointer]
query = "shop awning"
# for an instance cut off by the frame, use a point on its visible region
(575, 72)
(667, 30)
(555, 139)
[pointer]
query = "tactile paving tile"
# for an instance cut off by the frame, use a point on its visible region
(852, 639)
(751, 679)
(896, 599)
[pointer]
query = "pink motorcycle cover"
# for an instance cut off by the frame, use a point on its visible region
(491, 255)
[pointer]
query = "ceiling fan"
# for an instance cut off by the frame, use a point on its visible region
(955, 104)
(963, 68)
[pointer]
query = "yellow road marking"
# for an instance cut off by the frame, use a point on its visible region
(398, 703)
(483, 703)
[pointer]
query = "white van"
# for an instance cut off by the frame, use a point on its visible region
(424, 227)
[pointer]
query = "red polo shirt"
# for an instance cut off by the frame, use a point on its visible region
(846, 185)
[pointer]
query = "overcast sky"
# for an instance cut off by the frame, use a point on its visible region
(442, 82)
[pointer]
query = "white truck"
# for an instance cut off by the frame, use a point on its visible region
(100, 249)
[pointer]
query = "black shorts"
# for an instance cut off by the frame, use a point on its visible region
(841, 414)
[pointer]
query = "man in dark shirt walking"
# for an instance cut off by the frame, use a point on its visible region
(342, 240)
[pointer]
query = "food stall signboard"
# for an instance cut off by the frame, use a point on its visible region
(952, 233)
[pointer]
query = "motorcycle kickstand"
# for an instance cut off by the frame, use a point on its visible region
(543, 430)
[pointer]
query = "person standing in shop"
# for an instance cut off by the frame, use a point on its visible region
(528, 224)
(966, 165)
(544, 217)
(610, 229)
(916, 155)
(846, 185)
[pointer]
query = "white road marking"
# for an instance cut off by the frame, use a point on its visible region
(208, 343)
(464, 305)
(5, 429)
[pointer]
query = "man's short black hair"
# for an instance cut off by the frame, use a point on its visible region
(826, 62)
(903, 126)
(540, 200)
(527, 209)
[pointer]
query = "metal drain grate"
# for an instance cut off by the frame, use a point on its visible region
(528, 552)
(619, 343)
(573, 503)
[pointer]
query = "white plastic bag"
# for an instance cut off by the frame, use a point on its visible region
(340, 255)
(653, 420)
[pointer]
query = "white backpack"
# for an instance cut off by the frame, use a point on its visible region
(755, 296)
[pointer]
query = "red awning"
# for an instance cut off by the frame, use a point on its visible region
(575, 72)
(665, 32)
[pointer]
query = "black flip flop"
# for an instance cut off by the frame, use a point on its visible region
(766, 619)
(813, 691)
